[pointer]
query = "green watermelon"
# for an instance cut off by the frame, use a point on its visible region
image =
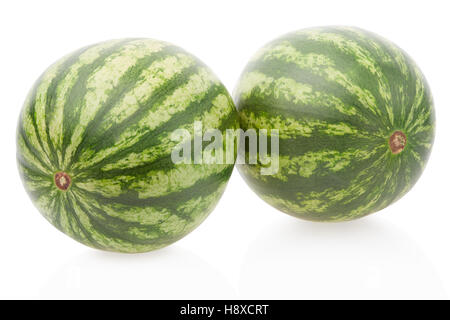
(355, 118)
(94, 144)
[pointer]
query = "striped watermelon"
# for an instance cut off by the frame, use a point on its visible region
(94, 144)
(355, 118)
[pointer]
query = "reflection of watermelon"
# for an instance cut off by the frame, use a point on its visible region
(355, 117)
(94, 144)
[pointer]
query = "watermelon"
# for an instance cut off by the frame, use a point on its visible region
(355, 122)
(94, 144)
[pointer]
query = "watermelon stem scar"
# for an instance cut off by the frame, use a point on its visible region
(62, 180)
(397, 142)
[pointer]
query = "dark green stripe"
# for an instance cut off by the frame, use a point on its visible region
(69, 207)
(93, 134)
(30, 173)
(305, 112)
(30, 110)
(310, 110)
(36, 194)
(341, 179)
(170, 201)
(277, 68)
(52, 95)
(22, 159)
(150, 139)
(164, 161)
(75, 97)
(56, 220)
(112, 232)
(390, 69)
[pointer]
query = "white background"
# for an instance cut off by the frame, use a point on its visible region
(245, 249)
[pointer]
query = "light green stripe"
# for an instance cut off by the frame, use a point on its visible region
(357, 186)
(107, 187)
(197, 209)
(102, 81)
(63, 217)
(196, 88)
(324, 67)
(330, 161)
(379, 52)
(314, 163)
(160, 219)
(35, 183)
(143, 215)
(98, 237)
(193, 90)
(64, 87)
(151, 79)
(375, 194)
(46, 203)
(255, 82)
(106, 241)
(400, 59)
(418, 158)
(41, 102)
(286, 52)
(394, 56)
(201, 206)
(221, 109)
(29, 156)
(77, 228)
(32, 136)
(290, 128)
(418, 99)
(320, 201)
(364, 59)
(155, 183)
(284, 204)
(419, 124)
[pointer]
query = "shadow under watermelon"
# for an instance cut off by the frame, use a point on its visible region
(362, 259)
(171, 273)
